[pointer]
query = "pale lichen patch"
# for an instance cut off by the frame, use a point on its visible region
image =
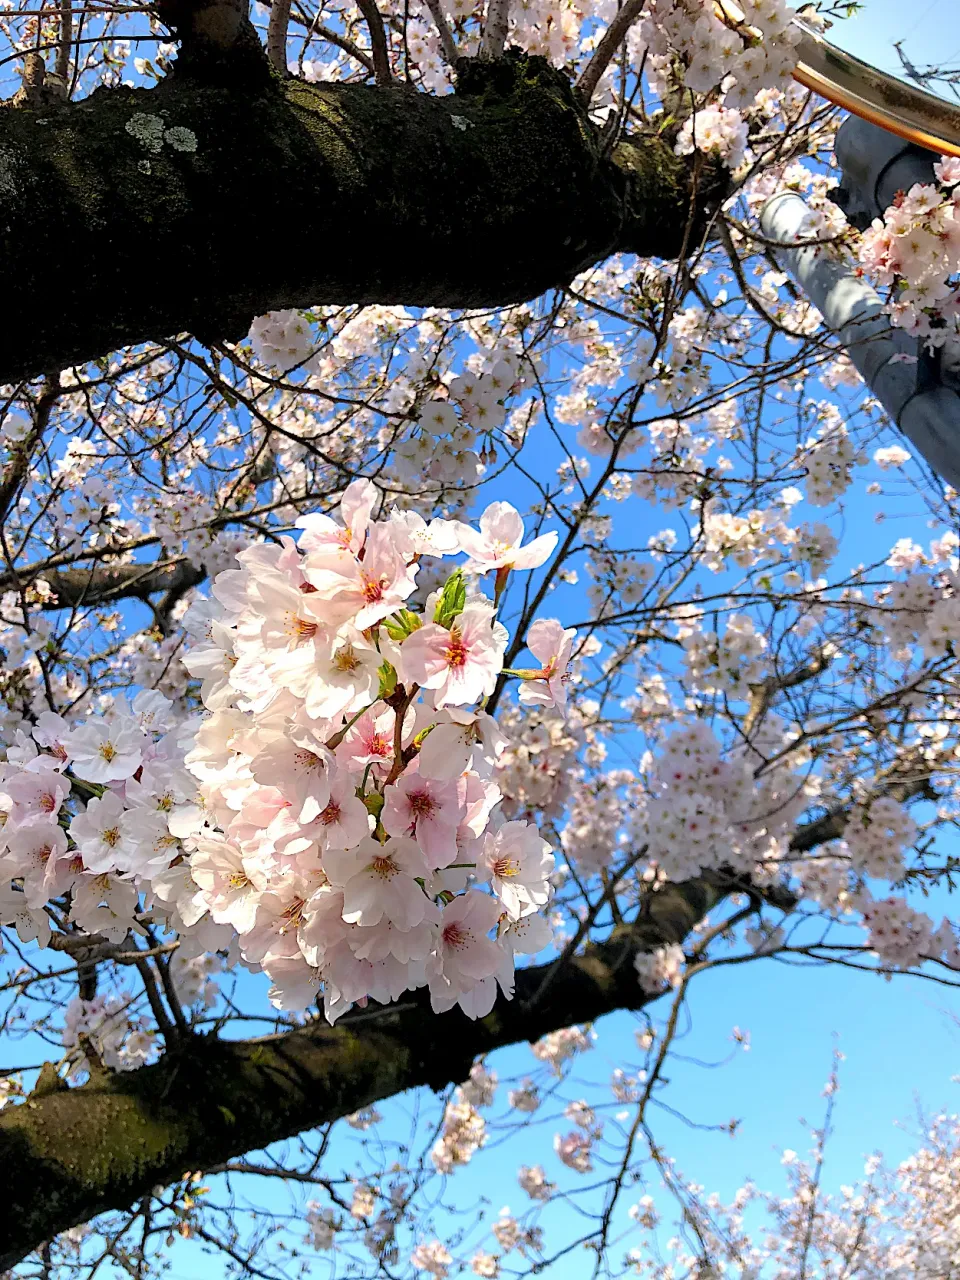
(8, 181)
(148, 131)
(181, 139)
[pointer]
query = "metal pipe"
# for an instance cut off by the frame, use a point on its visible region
(928, 416)
(894, 105)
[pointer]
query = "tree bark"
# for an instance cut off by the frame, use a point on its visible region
(196, 205)
(102, 584)
(68, 1154)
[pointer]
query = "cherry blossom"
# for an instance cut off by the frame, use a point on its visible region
(497, 545)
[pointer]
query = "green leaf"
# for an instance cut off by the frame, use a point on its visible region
(388, 679)
(453, 597)
(374, 803)
(401, 624)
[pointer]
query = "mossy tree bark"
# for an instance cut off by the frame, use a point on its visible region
(115, 230)
(67, 1154)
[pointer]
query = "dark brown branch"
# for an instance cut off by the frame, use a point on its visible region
(378, 41)
(71, 1154)
(103, 584)
(488, 196)
(22, 452)
(447, 42)
(610, 42)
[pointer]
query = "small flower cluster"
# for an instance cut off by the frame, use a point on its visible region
(717, 131)
(443, 449)
(558, 1047)
(104, 1026)
(660, 969)
(876, 838)
(695, 42)
(708, 810)
(141, 803)
(915, 248)
(829, 460)
(282, 339)
(904, 938)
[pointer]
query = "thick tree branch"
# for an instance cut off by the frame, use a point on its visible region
(485, 197)
(105, 583)
(495, 28)
(68, 1154)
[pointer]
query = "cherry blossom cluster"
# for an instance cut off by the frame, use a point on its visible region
(660, 969)
(346, 766)
(727, 663)
(828, 459)
(140, 803)
(714, 49)
(904, 938)
(717, 131)
(336, 810)
(104, 1026)
(282, 339)
(443, 447)
(706, 808)
(915, 249)
(877, 838)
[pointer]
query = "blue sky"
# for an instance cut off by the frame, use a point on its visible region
(929, 30)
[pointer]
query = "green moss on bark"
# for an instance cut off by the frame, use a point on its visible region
(485, 197)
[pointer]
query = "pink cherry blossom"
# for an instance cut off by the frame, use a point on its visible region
(379, 880)
(451, 745)
(460, 664)
(368, 589)
(466, 952)
(551, 644)
(518, 863)
(497, 544)
(427, 810)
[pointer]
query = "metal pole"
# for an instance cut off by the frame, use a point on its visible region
(929, 417)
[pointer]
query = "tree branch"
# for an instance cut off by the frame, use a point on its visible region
(447, 42)
(69, 1155)
(610, 42)
(495, 28)
(495, 193)
(277, 35)
(22, 452)
(106, 583)
(378, 41)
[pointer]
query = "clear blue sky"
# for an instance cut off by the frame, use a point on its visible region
(928, 29)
